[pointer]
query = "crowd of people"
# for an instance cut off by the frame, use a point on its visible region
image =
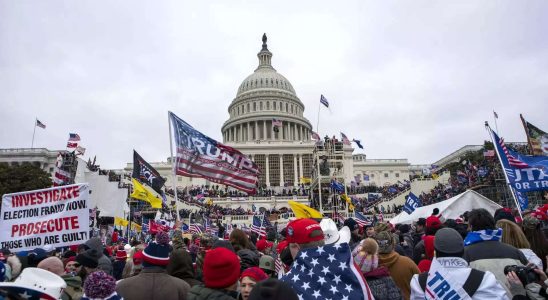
(479, 255)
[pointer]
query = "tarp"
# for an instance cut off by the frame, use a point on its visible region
(451, 208)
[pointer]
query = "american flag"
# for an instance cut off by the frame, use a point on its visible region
(339, 217)
(276, 122)
(327, 272)
(61, 177)
(345, 139)
(201, 156)
(195, 228)
(72, 145)
(315, 136)
(258, 226)
(512, 160)
(324, 101)
(279, 265)
(74, 137)
(361, 219)
(40, 124)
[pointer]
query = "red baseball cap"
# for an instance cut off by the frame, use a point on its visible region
(433, 222)
(303, 231)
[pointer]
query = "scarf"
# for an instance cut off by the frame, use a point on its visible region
(483, 235)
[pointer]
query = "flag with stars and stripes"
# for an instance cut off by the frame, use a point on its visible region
(258, 226)
(327, 272)
(201, 156)
(345, 139)
(195, 228)
(361, 219)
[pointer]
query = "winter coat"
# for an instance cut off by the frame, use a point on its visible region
(118, 269)
(419, 252)
(180, 266)
(489, 288)
(493, 256)
(382, 286)
(401, 269)
(74, 289)
(104, 262)
(200, 292)
(153, 283)
(532, 257)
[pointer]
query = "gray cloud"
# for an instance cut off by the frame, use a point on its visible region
(410, 79)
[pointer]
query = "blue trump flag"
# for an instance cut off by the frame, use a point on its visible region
(411, 203)
(337, 186)
(525, 173)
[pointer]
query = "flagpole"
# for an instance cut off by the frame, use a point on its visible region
(33, 132)
(495, 116)
(317, 121)
(173, 164)
(503, 170)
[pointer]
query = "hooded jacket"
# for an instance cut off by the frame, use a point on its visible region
(153, 283)
(74, 289)
(104, 263)
(488, 289)
(382, 285)
(180, 266)
(401, 269)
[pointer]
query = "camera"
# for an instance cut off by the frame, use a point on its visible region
(525, 274)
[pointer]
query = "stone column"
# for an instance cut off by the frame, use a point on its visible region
(295, 170)
(248, 132)
(242, 132)
(267, 176)
(264, 130)
(301, 173)
(281, 170)
(257, 130)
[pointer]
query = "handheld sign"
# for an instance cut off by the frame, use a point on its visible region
(411, 203)
(57, 216)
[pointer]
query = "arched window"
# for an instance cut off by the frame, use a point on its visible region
(286, 107)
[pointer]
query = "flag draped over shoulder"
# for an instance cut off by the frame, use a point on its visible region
(201, 156)
(538, 139)
(141, 193)
(145, 173)
(327, 272)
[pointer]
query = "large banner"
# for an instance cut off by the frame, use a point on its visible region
(57, 216)
(201, 156)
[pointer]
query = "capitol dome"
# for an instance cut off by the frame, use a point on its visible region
(266, 107)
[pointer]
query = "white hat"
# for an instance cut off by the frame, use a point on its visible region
(332, 235)
(35, 283)
(127, 247)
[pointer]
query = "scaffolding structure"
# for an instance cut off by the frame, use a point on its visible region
(328, 165)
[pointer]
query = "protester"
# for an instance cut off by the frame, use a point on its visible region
(180, 265)
(74, 283)
(249, 278)
(88, 263)
(401, 268)
(450, 277)
(406, 240)
(119, 264)
(483, 249)
(104, 262)
(354, 231)
(272, 289)
(378, 277)
(369, 230)
(514, 236)
(267, 264)
(432, 225)
(534, 290)
(418, 232)
(34, 283)
(153, 282)
(100, 286)
(221, 272)
(536, 238)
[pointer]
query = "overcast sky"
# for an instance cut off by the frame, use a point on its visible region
(410, 79)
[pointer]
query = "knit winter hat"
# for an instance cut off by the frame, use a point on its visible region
(88, 258)
(530, 222)
(221, 268)
(382, 227)
(52, 264)
(254, 273)
(99, 285)
(272, 289)
(448, 240)
(157, 253)
(385, 241)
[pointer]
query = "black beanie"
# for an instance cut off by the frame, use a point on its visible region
(88, 259)
(272, 289)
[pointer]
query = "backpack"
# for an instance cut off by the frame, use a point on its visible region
(470, 286)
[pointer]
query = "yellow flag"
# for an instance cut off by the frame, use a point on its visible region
(435, 176)
(302, 211)
(136, 227)
(120, 222)
(347, 199)
(306, 180)
(141, 193)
